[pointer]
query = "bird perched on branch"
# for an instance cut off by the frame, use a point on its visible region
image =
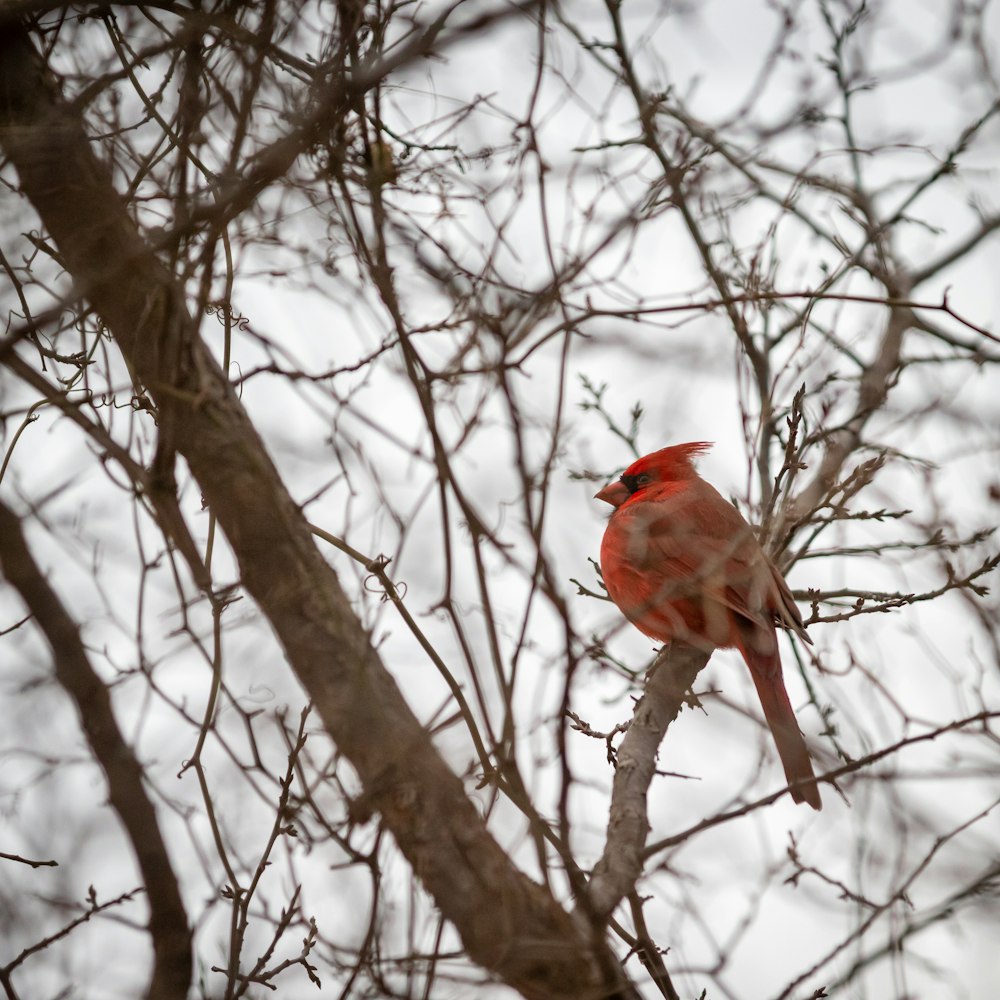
(682, 563)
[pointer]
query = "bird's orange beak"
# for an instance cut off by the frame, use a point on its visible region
(615, 493)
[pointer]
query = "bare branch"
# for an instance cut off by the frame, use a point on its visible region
(168, 924)
(667, 689)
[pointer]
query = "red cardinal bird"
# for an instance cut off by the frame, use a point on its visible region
(682, 563)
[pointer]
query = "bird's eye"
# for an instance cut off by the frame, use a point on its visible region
(634, 483)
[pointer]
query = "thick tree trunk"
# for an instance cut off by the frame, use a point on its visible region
(508, 923)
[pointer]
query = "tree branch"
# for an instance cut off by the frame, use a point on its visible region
(620, 866)
(168, 924)
(508, 923)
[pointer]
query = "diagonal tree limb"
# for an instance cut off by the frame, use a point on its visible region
(168, 925)
(508, 923)
(616, 873)
(873, 391)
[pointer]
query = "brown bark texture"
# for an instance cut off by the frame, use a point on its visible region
(620, 865)
(168, 923)
(508, 923)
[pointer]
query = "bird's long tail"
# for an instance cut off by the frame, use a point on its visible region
(765, 668)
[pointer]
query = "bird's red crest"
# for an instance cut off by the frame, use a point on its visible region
(675, 462)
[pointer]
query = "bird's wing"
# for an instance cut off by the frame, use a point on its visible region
(785, 609)
(697, 540)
